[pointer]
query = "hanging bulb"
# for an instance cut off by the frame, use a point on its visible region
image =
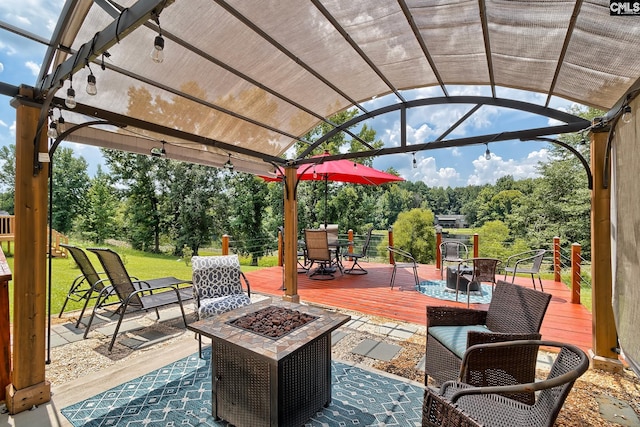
(355, 165)
(626, 115)
(70, 102)
(91, 85)
(315, 175)
(415, 162)
(53, 130)
(157, 53)
(61, 124)
(228, 165)
(487, 154)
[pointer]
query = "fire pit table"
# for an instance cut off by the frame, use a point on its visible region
(270, 362)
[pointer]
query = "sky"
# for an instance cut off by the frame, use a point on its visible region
(20, 61)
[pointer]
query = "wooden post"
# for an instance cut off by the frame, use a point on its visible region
(350, 238)
(575, 273)
(391, 261)
(290, 236)
(557, 266)
(438, 247)
(476, 245)
(280, 249)
(29, 386)
(605, 340)
(225, 244)
(5, 329)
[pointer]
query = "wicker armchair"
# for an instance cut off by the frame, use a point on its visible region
(459, 404)
(515, 313)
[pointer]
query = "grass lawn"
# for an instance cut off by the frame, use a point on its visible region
(142, 265)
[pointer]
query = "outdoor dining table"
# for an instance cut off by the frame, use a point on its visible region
(337, 247)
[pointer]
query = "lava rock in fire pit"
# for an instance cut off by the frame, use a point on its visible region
(272, 322)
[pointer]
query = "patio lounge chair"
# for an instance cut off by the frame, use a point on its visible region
(525, 262)
(86, 286)
(409, 262)
(515, 313)
(459, 404)
(453, 252)
(356, 268)
(136, 295)
(217, 286)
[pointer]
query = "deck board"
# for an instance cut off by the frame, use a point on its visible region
(370, 294)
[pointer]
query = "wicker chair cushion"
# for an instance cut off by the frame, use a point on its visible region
(455, 337)
(210, 307)
(217, 276)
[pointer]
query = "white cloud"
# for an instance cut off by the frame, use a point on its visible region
(3, 124)
(489, 171)
(1, 67)
(35, 68)
(12, 129)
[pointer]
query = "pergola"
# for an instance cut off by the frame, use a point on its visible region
(243, 80)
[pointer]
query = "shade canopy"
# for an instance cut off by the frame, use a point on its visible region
(250, 78)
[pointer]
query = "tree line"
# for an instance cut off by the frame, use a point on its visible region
(153, 202)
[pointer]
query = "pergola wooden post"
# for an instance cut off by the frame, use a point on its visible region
(604, 338)
(28, 384)
(290, 236)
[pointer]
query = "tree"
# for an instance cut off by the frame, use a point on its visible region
(138, 177)
(98, 221)
(8, 178)
(247, 205)
(413, 232)
(70, 186)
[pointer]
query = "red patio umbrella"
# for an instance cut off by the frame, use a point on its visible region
(341, 170)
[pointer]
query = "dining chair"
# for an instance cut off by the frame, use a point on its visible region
(528, 262)
(483, 270)
(318, 252)
(453, 252)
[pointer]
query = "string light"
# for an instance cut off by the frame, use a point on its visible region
(315, 175)
(415, 162)
(61, 124)
(626, 114)
(228, 165)
(157, 53)
(487, 154)
(70, 101)
(53, 127)
(91, 84)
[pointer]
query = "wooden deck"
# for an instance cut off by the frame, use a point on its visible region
(370, 294)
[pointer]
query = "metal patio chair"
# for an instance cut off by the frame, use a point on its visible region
(460, 404)
(356, 268)
(483, 270)
(408, 262)
(318, 252)
(453, 252)
(138, 295)
(525, 262)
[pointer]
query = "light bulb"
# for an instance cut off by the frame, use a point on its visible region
(157, 53)
(53, 130)
(61, 124)
(487, 154)
(91, 85)
(70, 102)
(626, 115)
(415, 162)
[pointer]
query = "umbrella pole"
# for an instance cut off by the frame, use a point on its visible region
(326, 191)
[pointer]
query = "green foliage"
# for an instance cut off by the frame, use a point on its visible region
(413, 232)
(98, 220)
(187, 254)
(70, 185)
(7, 177)
(492, 236)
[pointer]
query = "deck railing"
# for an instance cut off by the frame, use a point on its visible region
(7, 229)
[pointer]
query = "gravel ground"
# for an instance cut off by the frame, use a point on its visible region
(88, 356)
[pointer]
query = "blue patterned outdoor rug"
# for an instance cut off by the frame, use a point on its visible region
(179, 395)
(438, 289)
